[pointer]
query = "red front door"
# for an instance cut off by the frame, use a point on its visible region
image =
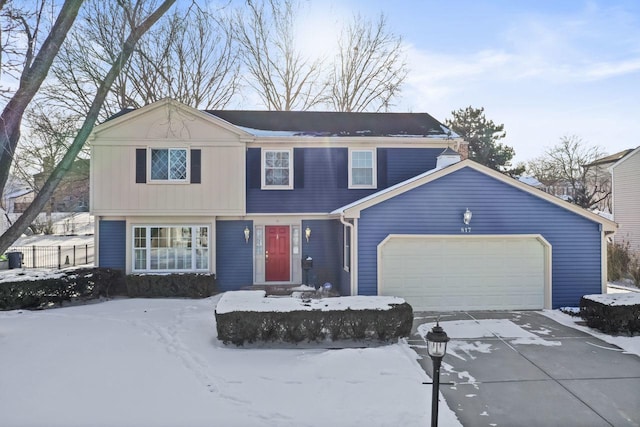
(277, 255)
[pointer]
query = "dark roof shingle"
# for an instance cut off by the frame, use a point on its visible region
(325, 123)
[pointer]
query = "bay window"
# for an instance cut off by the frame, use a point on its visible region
(170, 248)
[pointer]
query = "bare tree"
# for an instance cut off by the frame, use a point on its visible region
(188, 56)
(563, 165)
(48, 136)
(36, 61)
(369, 69)
(191, 58)
(282, 76)
(139, 17)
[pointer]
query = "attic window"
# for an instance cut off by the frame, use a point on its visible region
(277, 169)
(362, 173)
(169, 164)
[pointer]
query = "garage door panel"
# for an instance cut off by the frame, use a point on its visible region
(446, 273)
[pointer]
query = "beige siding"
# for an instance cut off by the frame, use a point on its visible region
(626, 200)
(114, 190)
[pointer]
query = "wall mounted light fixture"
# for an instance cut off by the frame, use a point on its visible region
(247, 234)
(307, 233)
(466, 217)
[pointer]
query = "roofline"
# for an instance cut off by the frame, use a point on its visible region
(356, 140)
(610, 159)
(162, 103)
(630, 154)
(353, 210)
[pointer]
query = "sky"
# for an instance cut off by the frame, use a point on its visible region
(545, 69)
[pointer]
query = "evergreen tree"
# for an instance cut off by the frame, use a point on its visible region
(483, 136)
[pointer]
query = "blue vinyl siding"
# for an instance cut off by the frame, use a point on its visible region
(234, 257)
(323, 186)
(405, 163)
(325, 247)
(498, 208)
(112, 246)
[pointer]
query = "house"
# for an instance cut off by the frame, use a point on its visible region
(600, 179)
(625, 177)
(16, 197)
(378, 203)
(72, 194)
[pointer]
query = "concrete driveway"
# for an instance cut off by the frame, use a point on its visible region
(524, 369)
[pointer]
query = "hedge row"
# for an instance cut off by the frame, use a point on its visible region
(91, 283)
(610, 318)
(76, 285)
(239, 327)
(171, 285)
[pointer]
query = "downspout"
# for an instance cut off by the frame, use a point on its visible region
(604, 259)
(352, 270)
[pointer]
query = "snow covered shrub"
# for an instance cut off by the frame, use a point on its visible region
(618, 259)
(55, 289)
(259, 319)
(187, 285)
(612, 313)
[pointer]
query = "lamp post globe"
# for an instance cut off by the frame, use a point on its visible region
(436, 347)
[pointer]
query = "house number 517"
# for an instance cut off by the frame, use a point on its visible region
(465, 229)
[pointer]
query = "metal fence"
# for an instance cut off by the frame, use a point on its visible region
(54, 256)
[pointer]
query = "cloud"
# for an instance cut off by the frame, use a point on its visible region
(606, 70)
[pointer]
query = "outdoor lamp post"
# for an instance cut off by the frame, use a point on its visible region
(436, 347)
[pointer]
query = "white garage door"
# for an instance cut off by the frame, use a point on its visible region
(465, 273)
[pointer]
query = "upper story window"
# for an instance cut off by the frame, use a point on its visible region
(362, 168)
(169, 164)
(277, 169)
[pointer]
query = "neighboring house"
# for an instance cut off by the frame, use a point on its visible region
(72, 194)
(625, 176)
(600, 179)
(379, 201)
(17, 195)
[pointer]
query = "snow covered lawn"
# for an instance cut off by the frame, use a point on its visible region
(157, 362)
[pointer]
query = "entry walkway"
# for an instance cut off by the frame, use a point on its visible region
(523, 369)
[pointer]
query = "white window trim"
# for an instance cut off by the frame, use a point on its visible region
(187, 178)
(264, 186)
(374, 178)
(147, 248)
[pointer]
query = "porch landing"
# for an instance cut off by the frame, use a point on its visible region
(278, 290)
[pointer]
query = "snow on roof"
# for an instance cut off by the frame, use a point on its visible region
(275, 133)
(256, 301)
(18, 193)
(530, 180)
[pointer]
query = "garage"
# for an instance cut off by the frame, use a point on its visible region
(457, 272)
